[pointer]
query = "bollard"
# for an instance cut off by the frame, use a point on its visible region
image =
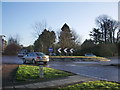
(41, 74)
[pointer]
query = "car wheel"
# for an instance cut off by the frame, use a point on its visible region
(33, 61)
(45, 62)
(24, 61)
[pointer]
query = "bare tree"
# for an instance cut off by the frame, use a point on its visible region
(13, 45)
(39, 27)
(14, 39)
(76, 37)
(107, 26)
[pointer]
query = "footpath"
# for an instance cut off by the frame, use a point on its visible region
(51, 84)
(8, 76)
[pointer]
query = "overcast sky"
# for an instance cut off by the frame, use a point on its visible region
(20, 17)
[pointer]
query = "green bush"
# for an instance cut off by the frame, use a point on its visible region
(107, 49)
(12, 49)
(100, 49)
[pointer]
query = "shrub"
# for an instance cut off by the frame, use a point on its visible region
(12, 49)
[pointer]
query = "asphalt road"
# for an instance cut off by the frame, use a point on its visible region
(91, 69)
(101, 70)
(11, 60)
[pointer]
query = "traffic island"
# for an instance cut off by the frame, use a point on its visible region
(97, 85)
(78, 58)
(37, 73)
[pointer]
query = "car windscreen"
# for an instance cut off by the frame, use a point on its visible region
(40, 54)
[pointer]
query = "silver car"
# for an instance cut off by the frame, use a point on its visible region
(34, 57)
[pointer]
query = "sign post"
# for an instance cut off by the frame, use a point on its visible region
(50, 50)
(41, 74)
(41, 70)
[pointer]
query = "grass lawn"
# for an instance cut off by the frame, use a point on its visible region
(27, 72)
(92, 85)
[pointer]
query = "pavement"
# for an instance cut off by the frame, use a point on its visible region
(8, 74)
(52, 83)
(8, 71)
(8, 80)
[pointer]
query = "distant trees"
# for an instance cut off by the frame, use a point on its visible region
(29, 48)
(45, 37)
(105, 33)
(102, 43)
(102, 49)
(96, 35)
(110, 49)
(77, 38)
(39, 27)
(13, 46)
(105, 41)
(15, 40)
(87, 46)
(12, 49)
(66, 38)
(118, 36)
(45, 41)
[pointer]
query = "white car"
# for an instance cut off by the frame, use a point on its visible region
(36, 57)
(21, 54)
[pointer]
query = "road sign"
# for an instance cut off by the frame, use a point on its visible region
(59, 50)
(71, 50)
(65, 50)
(50, 49)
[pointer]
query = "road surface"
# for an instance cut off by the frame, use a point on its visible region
(101, 70)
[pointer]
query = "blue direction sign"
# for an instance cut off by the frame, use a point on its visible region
(50, 49)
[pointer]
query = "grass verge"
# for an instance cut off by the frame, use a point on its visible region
(84, 58)
(28, 72)
(92, 85)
